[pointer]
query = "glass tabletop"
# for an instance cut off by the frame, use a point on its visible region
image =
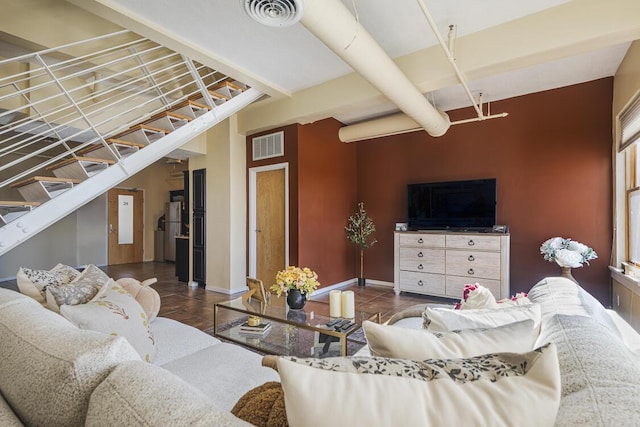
(314, 314)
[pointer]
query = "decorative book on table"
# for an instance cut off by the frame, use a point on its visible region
(260, 329)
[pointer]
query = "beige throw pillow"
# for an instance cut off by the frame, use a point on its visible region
(115, 312)
(416, 344)
(438, 319)
(146, 296)
(504, 389)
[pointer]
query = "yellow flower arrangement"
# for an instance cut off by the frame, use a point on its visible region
(303, 279)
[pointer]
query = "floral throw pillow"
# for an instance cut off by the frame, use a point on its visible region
(80, 291)
(115, 312)
(34, 283)
(492, 389)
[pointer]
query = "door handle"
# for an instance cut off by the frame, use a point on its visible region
(258, 230)
(110, 228)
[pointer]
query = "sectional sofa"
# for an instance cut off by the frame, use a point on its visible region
(54, 374)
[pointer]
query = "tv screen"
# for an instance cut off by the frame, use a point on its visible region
(455, 205)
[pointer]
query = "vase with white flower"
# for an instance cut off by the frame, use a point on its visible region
(567, 254)
(297, 284)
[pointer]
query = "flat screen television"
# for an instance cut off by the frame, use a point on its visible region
(452, 205)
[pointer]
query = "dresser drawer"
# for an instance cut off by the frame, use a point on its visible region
(422, 283)
(473, 264)
(466, 241)
(455, 286)
(422, 260)
(420, 240)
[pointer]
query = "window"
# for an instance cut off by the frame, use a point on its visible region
(628, 146)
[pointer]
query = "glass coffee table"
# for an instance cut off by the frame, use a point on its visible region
(301, 333)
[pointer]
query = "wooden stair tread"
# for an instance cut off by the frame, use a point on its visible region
(141, 127)
(8, 203)
(217, 95)
(44, 178)
(79, 159)
(168, 114)
(193, 103)
(228, 84)
(123, 142)
(94, 147)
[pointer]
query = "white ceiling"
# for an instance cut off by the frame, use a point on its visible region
(289, 60)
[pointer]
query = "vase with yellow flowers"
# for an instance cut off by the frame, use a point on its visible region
(297, 284)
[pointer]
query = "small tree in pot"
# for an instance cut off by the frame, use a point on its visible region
(358, 230)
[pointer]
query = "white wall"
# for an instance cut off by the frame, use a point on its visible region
(76, 240)
(226, 207)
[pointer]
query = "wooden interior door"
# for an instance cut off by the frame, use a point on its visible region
(270, 225)
(125, 253)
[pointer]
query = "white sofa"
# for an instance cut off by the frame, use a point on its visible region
(599, 354)
(54, 374)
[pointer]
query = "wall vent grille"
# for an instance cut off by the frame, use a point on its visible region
(267, 146)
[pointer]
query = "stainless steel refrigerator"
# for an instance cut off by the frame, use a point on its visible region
(172, 223)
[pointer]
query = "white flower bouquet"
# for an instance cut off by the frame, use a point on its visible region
(567, 252)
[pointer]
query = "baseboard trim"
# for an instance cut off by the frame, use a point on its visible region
(353, 281)
(222, 290)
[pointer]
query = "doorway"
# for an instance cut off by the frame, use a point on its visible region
(126, 226)
(268, 221)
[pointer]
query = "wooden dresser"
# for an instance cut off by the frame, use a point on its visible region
(440, 263)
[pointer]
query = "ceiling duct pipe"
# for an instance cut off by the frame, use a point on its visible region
(332, 23)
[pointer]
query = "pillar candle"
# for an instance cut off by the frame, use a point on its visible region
(335, 309)
(348, 305)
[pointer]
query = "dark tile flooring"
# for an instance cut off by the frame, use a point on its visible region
(194, 306)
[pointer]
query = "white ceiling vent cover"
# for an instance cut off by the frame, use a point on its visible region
(274, 13)
(267, 146)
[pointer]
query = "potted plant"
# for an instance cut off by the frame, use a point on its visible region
(358, 230)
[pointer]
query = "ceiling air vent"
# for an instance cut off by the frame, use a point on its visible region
(267, 146)
(274, 13)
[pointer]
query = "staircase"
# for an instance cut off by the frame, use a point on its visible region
(72, 128)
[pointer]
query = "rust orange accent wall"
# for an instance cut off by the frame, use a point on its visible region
(552, 160)
(327, 196)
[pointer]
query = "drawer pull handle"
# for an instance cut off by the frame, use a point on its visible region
(420, 267)
(471, 258)
(420, 254)
(471, 243)
(470, 271)
(420, 283)
(420, 240)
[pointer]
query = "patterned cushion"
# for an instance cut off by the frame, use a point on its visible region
(403, 343)
(34, 282)
(139, 394)
(115, 312)
(438, 319)
(494, 389)
(80, 291)
(49, 367)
